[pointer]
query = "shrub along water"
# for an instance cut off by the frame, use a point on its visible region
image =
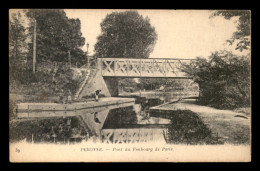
(224, 80)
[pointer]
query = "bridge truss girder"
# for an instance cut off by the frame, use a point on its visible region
(152, 67)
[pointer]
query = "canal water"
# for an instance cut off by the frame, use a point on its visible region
(135, 123)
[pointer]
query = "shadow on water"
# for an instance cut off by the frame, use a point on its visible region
(182, 126)
(186, 128)
(121, 118)
(50, 130)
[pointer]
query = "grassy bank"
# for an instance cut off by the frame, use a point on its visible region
(186, 128)
(231, 127)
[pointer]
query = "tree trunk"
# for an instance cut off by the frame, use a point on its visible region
(34, 46)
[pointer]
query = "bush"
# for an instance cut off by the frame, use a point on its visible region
(224, 80)
(42, 83)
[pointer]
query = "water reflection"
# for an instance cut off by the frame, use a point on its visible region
(131, 117)
(51, 130)
(85, 125)
(118, 124)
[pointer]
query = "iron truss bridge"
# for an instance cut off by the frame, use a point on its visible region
(152, 67)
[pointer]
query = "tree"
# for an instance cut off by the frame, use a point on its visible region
(125, 35)
(17, 45)
(17, 38)
(73, 39)
(57, 35)
(79, 56)
(224, 79)
(242, 35)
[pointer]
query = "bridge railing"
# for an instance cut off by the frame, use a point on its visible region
(152, 67)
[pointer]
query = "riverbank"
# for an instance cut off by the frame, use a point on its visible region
(16, 98)
(231, 127)
(26, 110)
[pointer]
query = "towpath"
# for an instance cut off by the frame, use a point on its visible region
(231, 126)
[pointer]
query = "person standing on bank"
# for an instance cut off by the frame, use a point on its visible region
(69, 97)
(97, 93)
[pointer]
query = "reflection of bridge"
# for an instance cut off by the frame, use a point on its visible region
(152, 67)
(132, 135)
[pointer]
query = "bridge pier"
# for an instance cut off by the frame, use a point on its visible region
(108, 85)
(112, 85)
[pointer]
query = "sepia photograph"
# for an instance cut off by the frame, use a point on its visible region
(129, 85)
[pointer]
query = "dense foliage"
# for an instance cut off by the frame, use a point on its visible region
(17, 46)
(125, 35)
(57, 35)
(224, 80)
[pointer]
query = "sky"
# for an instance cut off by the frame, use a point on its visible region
(181, 33)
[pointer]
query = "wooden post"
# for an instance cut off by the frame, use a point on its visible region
(32, 138)
(34, 46)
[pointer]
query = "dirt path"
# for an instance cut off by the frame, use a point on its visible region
(231, 126)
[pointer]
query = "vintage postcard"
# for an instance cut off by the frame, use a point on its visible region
(105, 85)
